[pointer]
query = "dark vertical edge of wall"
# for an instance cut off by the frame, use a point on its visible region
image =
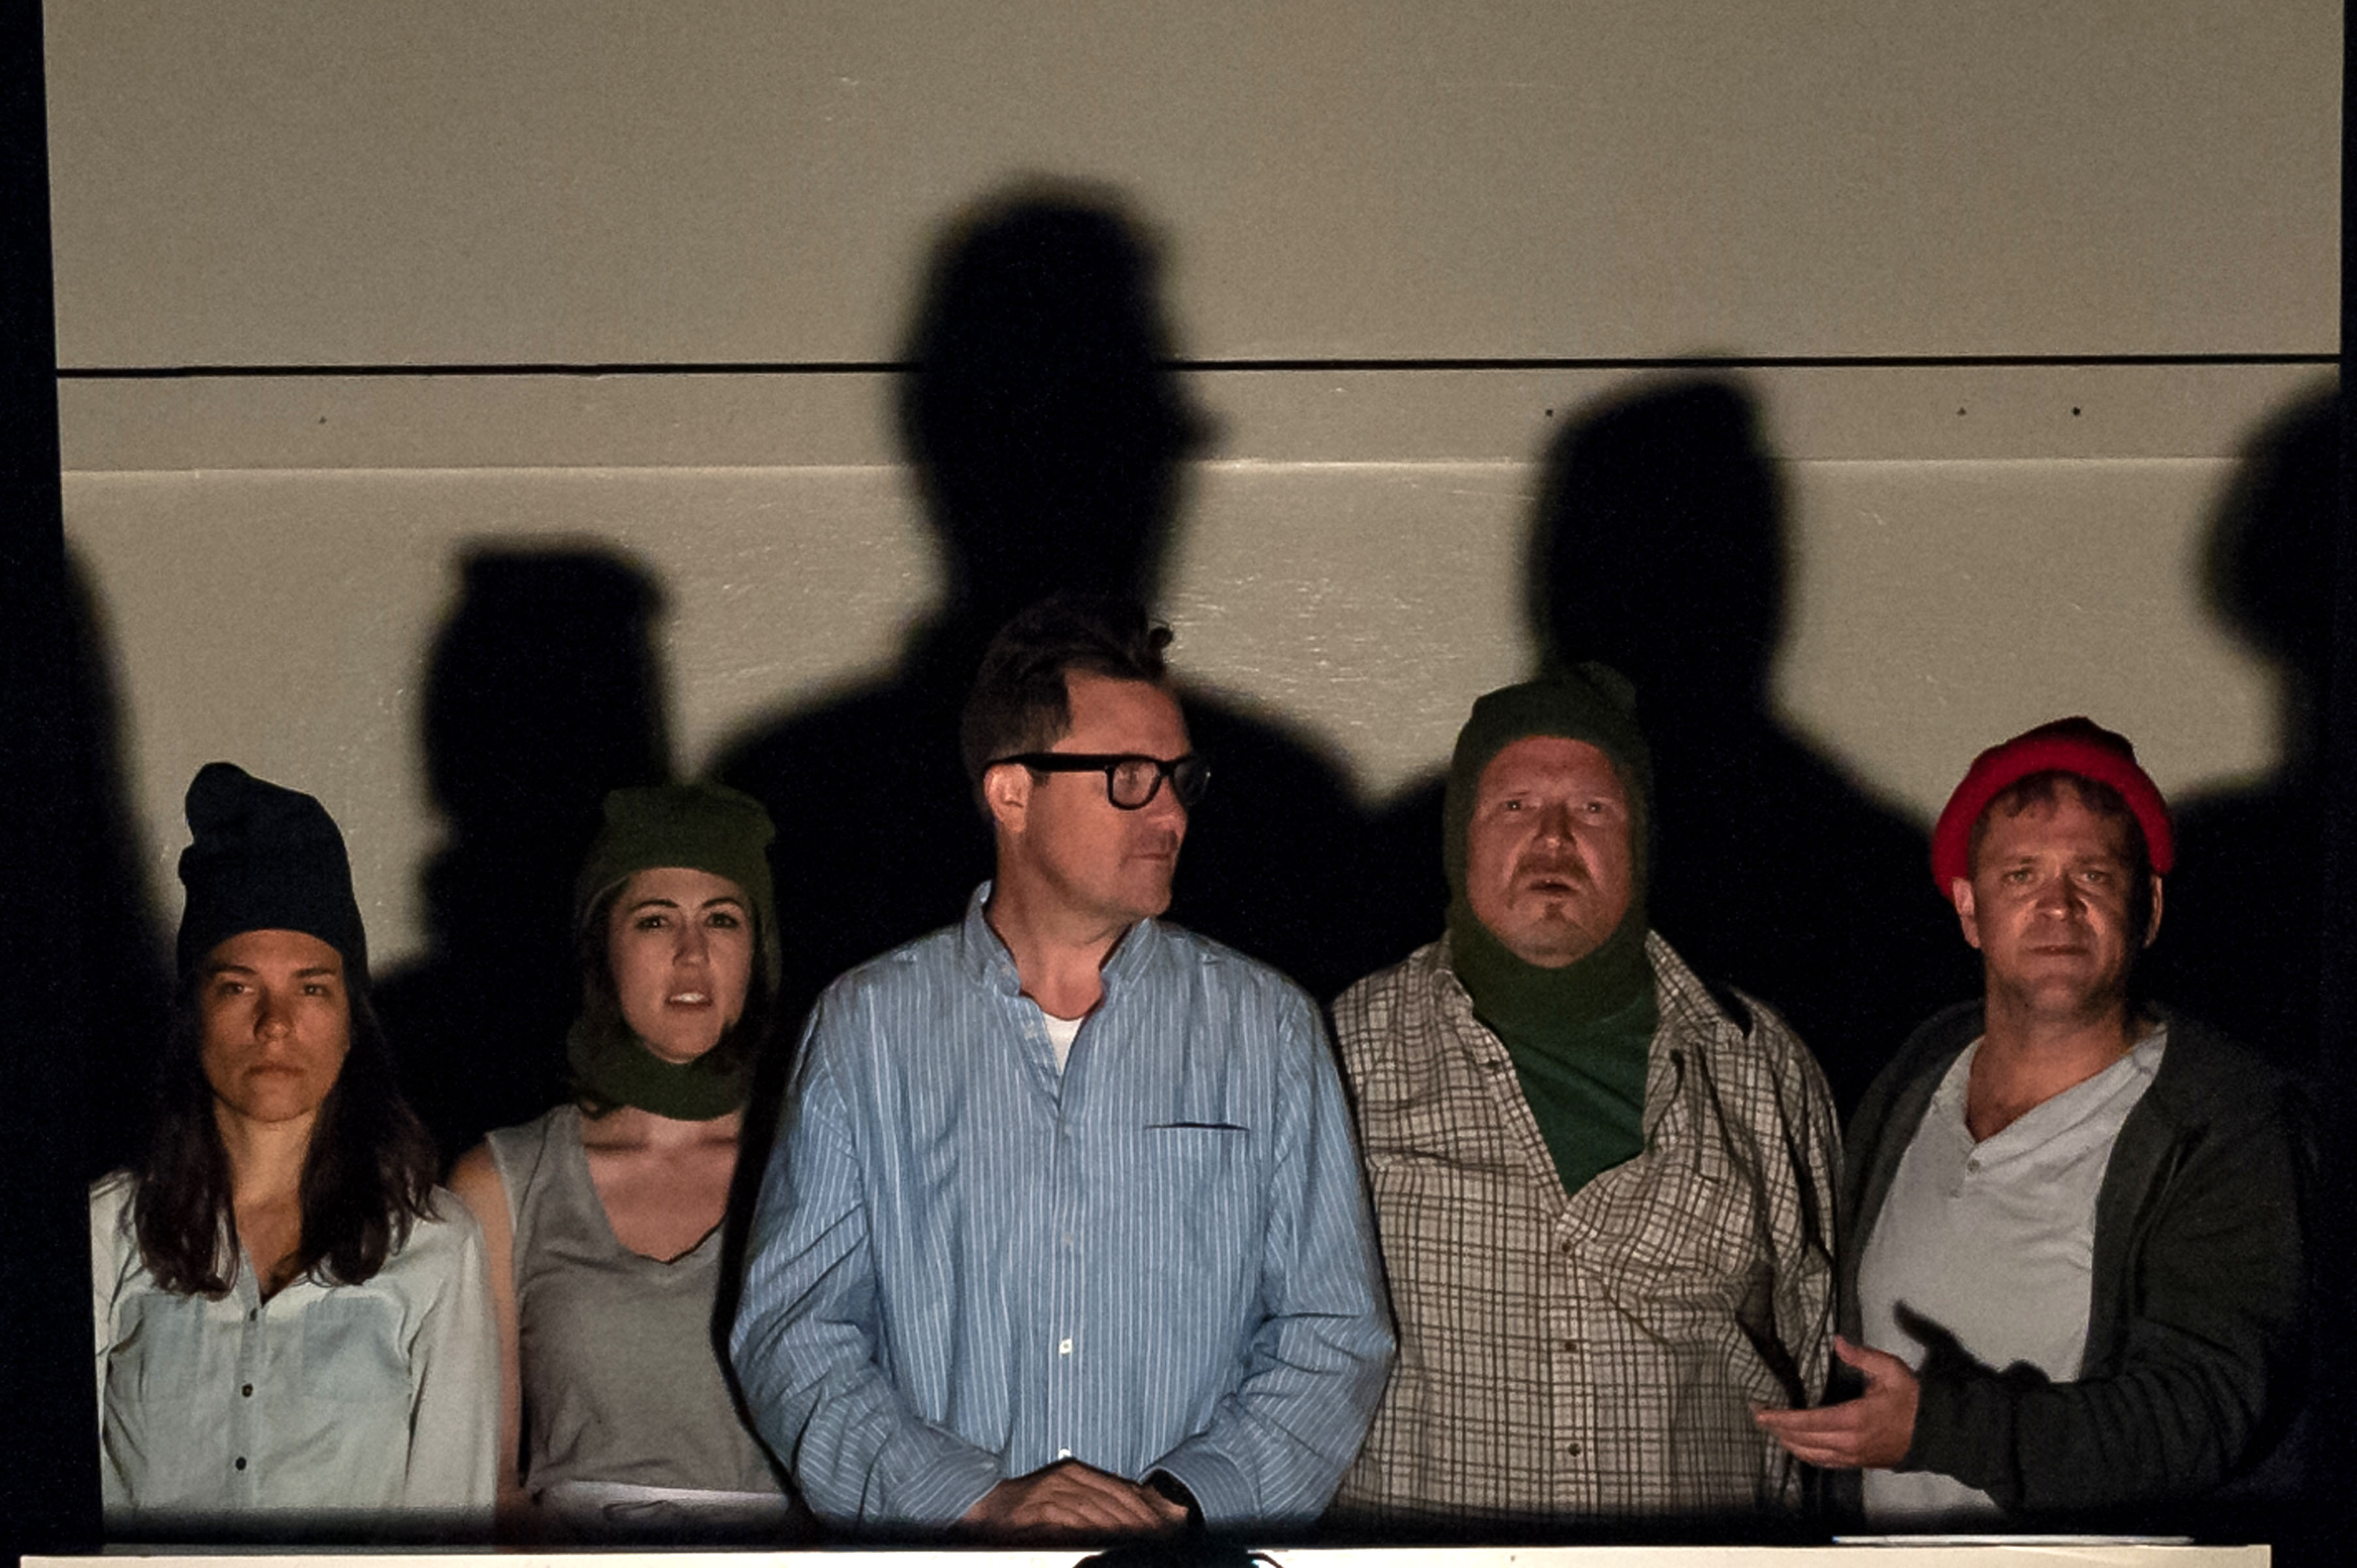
(48, 1446)
(2333, 1511)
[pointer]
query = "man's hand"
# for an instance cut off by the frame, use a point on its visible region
(1871, 1431)
(1070, 1499)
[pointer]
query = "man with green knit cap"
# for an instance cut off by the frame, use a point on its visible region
(1604, 1189)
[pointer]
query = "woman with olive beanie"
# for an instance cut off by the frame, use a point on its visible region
(604, 1216)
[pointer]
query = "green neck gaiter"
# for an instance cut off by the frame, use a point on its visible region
(1580, 1038)
(1556, 1011)
(612, 1065)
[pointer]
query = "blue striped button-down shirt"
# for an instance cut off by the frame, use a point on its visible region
(965, 1267)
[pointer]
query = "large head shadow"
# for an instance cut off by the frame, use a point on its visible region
(1050, 436)
(2240, 940)
(1659, 546)
(542, 693)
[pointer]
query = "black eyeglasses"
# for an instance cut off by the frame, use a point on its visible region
(1131, 782)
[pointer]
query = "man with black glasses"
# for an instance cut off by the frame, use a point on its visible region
(1064, 1234)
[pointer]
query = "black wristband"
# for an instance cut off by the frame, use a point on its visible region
(1162, 1483)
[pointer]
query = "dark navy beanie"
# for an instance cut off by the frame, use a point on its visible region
(264, 858)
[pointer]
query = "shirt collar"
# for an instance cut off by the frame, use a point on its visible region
(985, 957)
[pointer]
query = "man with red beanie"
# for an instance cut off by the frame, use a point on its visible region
(2073, 1261)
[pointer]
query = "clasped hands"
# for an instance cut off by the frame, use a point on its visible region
(1068, 1499)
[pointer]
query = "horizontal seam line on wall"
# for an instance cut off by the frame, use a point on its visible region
(894, 367)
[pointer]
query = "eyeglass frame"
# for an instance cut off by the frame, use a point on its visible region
(1108, 762)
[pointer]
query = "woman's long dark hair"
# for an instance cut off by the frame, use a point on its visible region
(743, 1041)
(367, 1176)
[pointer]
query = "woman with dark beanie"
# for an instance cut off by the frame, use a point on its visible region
(295, 1339)
(604, 1216)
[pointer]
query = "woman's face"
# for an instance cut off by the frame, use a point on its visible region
(679, 945)
(278, 1023)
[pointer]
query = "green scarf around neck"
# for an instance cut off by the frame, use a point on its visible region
(1580, 1037)
(612, 1066)
(1555, 1010)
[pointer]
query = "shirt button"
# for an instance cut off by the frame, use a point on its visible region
(246, 1391)
(1571, 1346)
(240, 1461)
(1566, 1249)
(1060, 1454)
(1063, 1347)
(252, 1313)
(1571, 1447)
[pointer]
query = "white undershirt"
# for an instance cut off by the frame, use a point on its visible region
(1061, 1032)
(1995, 1241)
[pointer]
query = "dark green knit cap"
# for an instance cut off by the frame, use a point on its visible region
(703, 827)
(1590, 702)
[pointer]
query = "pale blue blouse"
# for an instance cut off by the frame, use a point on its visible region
(327, 1411)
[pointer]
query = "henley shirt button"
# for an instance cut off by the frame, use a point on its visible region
(240, 1461)
(246, 1391)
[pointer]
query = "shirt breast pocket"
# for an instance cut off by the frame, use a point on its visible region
(159, 1357)
(353, 1354)
(1692, 1239)
(1199, 1192)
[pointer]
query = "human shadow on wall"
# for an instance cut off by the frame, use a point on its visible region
(542, 693)
(1049, 435)
(2241, 934)
(1659, 546)
(126, 981)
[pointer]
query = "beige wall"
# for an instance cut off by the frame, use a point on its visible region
(1978, 546)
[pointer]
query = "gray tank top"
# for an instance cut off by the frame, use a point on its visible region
(621, 1382)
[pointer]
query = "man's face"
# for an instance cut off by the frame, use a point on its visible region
(2049, 906)
(1098, 863)
(1547, 861)
(277, 1025)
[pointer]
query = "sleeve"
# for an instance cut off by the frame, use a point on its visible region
(1804, 1219)
(106, 1241)
(1277, 1447)
(2212, 1344)
(1806, 1160)
(454, 1370)
(805, 1341)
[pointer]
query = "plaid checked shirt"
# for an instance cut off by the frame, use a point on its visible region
(1593, 1354)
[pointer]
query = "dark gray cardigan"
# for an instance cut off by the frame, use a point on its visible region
(2195, 1328)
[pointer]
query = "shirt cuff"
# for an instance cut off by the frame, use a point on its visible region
(1222, 1490)
(931, 1479)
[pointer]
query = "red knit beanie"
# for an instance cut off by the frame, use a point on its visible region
(2077, 745)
